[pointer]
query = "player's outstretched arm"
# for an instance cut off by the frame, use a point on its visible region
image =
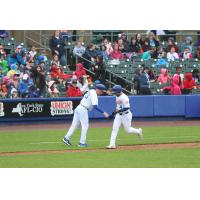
(106, 115)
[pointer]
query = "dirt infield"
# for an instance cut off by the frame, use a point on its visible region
(55, 126)
(120, 148)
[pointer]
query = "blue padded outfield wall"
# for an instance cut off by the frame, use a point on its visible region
(13, 110)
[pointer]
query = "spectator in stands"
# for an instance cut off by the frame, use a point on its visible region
(78, 49)
(4, 34)
(120, 42)
(175, 88)
(14, 69)
(189, 83)
(64, 34)
(132, 46)
(164, 77)
(170, 44)
(33, 92)
(108, 46)
(195, 75)
(57, 46)
(52, 89)
(139, 43)
(146, 46)
(180, 75)
(54, 73)
(24, 85)
(33, 52)
(83, 84)
(152, 40)
(55, 61)
(188, 44)
(145, 82)
(125, 42)
(3, 90)
(14, 93)
(148, 54)
(90, 55)
(4, 64)
(161, 53)
(136, 79)
(38, 77)
(116, 54)
(80, 71)
(172, 55)
(99, 70)
(186, 54)
(152, 76)
(197, 53)
(73, 90)
(2, 52)
(103, 52)
(14, 82)
(43, 57)
(62, 75)
(18, 57)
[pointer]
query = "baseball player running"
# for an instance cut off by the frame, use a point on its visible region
(89, 101)
(123, 116)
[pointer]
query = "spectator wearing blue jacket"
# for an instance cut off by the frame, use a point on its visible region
(24, 85)
(144, 81)
(17, 57)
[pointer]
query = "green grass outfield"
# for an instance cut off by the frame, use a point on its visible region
(98, 138)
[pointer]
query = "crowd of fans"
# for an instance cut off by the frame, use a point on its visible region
(29, 73)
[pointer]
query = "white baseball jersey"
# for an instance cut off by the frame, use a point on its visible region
(126, 118)
(90, 99)
(122, 102)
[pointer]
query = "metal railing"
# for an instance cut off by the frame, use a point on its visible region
(42, 40)
(110, 73)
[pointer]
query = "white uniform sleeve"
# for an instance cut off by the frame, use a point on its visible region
(126, 103)
(94, 98)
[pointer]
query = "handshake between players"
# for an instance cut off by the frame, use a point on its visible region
(122, 115)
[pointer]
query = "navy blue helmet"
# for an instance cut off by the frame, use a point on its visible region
(100, 87)
(116, 89)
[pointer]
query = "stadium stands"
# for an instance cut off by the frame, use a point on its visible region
(116, 71)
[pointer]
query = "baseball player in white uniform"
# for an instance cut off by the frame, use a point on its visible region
(89, 101)
(123, 116)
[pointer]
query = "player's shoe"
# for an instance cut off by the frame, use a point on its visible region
(111, 147)
(140, 135)
(66, 141)
(82, 145)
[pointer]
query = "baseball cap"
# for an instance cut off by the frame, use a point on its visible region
(25, 77)
(116, 89)
(100, 87)
(19, 47)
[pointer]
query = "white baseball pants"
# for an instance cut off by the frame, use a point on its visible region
(80, 117)
(124, 119)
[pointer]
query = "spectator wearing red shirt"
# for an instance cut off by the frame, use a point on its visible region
(80, 72)
(73, 89)
(54, 72)
(116, 54)
(189, 83)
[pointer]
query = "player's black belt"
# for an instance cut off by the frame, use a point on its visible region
(124, 113)
(84, 107)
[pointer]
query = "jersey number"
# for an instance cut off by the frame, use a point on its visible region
(87, 94)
